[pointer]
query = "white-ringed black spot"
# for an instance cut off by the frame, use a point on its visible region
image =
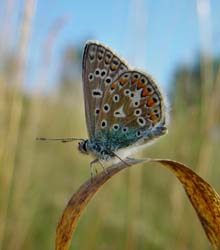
(136, 104)
(108, 80)
(138, 134)
(97, 93)
(104, 124)
(97, 72)
(127, 92)
(103, 73)
(143, 80)
(136, 75)
(106, 108)
(125, 130)
(125, 75)
(131, 95)
(155, 99)
(91, 77)
(149, 89)
(122, 67)
(137, 112)
(116, 127)
(141, 121)
(116, 98)
(115, 61)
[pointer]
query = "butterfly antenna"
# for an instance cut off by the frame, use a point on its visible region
(117, 156)
(59, 139)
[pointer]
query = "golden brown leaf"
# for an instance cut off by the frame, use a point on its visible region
(80, 199)
(203, 197)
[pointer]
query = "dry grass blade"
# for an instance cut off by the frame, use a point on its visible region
(203, 197)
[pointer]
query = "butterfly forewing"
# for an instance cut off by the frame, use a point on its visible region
(101, 67)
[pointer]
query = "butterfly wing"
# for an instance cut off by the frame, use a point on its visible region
(133, 111)
(100, 68)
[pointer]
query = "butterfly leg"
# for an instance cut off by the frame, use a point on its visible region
(92, 167)
(103, 167)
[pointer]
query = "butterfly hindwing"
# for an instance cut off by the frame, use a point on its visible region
(101, 67)
(133, 109)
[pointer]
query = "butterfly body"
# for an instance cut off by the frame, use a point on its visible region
(106, 143)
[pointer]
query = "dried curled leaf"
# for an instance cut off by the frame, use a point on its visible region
(203, 197)
(80, 199)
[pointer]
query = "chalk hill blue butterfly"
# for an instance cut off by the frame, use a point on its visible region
(124, 108)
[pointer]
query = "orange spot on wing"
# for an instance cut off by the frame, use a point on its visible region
(133, 80)
(153, 117)
(113, 86)
(144, 92)
(123, 81)
(140, 85)
(150, 102)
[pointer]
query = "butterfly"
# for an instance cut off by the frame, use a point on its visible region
(124, 108)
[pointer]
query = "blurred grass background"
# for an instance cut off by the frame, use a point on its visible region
(146, 207)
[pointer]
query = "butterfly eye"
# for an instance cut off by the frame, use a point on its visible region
(106, 108)
(116, 127)
(97, 147)
(103, 124)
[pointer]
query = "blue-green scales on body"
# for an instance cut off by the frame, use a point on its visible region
(106, 142)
